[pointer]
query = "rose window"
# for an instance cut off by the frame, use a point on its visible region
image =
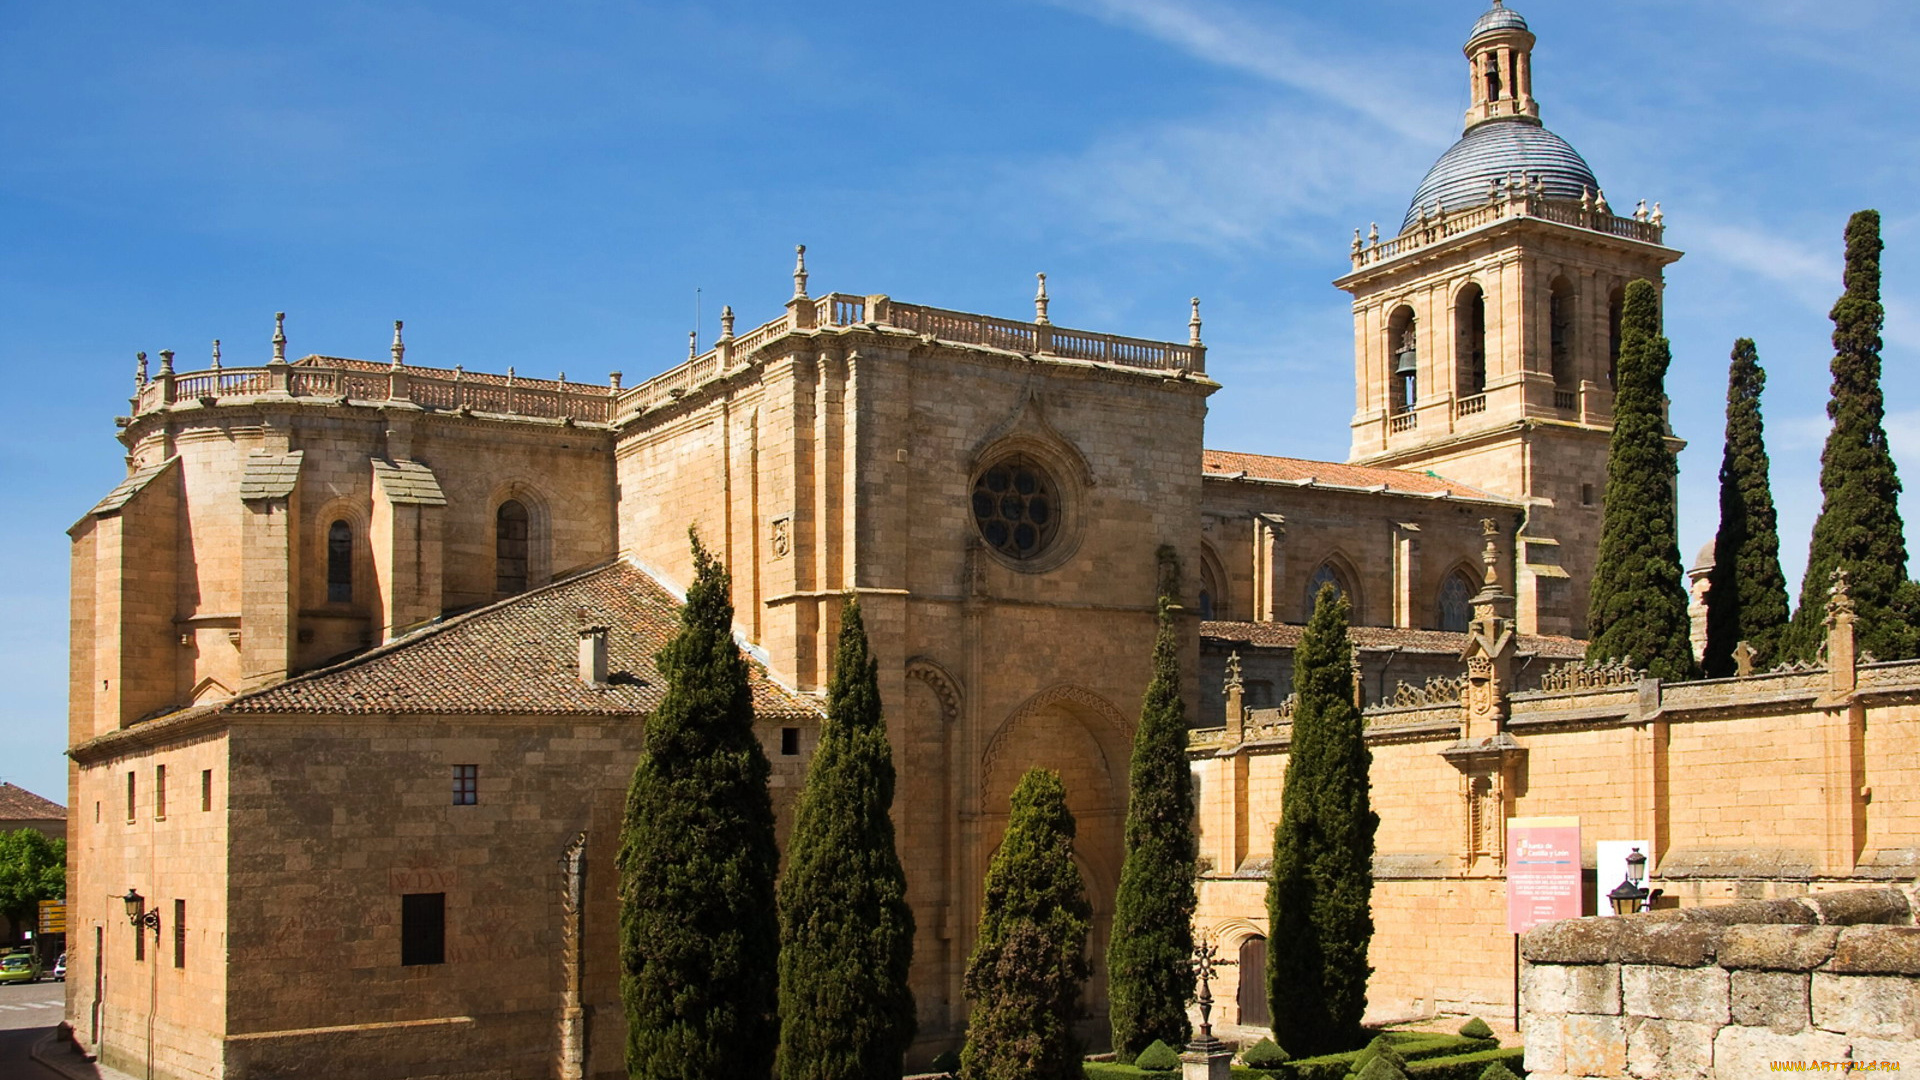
(1016, 507)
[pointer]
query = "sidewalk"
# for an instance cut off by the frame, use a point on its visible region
(57, 1053)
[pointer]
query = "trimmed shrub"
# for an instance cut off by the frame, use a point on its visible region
(1476, 1028)
(1416, 1048)
(1497, 1071)
(1468, 1066)
(1157, 1057)
(1265, 1054)
(1381, 1067)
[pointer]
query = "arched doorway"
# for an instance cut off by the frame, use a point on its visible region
(1253, 983)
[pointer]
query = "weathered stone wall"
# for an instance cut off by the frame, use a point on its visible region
(1731, 991)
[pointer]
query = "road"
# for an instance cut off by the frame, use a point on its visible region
(27, 1011)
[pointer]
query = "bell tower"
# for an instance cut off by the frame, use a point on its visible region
(1485, 332)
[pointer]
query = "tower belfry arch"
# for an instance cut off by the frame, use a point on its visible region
(1509, 261)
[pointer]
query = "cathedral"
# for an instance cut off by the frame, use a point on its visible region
(362, 650)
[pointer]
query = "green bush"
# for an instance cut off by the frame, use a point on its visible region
(1158, 1057)
(1476, 1028)
(1468, 1066)
(1414, 1047)
(1381, 1067)
(1265, 1054)
(1497, 1071)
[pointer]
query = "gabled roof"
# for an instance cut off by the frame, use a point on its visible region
(19, 804)
(518, 657)
(1276, 635)
(1300, 472)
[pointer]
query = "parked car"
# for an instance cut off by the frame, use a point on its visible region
(60, 968)
(19, 967)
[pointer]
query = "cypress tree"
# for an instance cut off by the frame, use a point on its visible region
(846, 932)
(1149, 973)
(698, 932)
(1638, 608)
(1859, 527)
(1318, 897)
(1024, 978)
(1746, 592)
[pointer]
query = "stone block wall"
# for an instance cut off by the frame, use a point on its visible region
(1731, 991)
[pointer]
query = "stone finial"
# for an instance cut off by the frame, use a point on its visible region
(1373, 234)
(1640, 212)
(1193, 324)
(1600, 201)
(166, 362)
(1659, 217)
(216, 354)
(799, 271)
(1743, 659)
(1493, 190)
(1839, 595)
(613, 379)
(1041, 301)
(279, 337)
(693, 344)
(140, 369)
(399, 349)
(1586, 198)
(1233, 672)
(509, 374)
(726, 321)
(562, 379)
(1357, 243)
(1490, 555)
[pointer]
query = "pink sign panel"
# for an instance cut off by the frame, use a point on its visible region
(1543, 871)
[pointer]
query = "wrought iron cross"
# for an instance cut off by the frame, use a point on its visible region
(1204, 953)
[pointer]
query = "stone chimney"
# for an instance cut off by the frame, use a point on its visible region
(593, 655)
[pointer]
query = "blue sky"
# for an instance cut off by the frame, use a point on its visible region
(546, 186)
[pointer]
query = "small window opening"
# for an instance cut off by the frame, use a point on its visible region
(789, 742)
(339, 563)
(132, 791)
(1403, 339)
(140, 931)
(1493, 77)
(1586, 494)
(1470, 315)
(423, 929)
(510, 548)
(179, 933)
(466, 785)
(159, 793)
(1560, 323)
(206, 790)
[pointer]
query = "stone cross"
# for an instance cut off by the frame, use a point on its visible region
(1743, 659)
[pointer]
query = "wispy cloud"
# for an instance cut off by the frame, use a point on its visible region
(1337, 68)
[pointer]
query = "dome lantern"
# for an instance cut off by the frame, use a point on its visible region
(1500, 68)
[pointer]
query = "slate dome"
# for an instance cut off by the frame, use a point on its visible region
(1497, 17)
(1497, 150)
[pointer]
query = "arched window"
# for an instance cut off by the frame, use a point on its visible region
(510, 548)
(1616, 304)
(1213, 599)
(1560, 330)
(1328, 574)
(1252, 997)
(1456, 602)
(1470, 321)
(339, 563)
(1403, 348)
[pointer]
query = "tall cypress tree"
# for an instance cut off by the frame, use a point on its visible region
(1859, 527)
(1746, 592)
(1149, 980)
(846, 932)
(1024, 977)
(698, 932)
(1638, 607)
(1319, 894)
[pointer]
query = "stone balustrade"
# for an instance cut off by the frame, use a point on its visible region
(363, 383)
(1510, 205)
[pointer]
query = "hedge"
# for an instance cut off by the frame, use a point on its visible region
(1415, 1046)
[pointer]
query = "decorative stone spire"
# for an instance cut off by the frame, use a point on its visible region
(1373, 234)
(279, 337)
(726, 322)
(1193, 324)
(399, 349)
(800, 271)
(1040, 302)
(166, 362)
(140, 369)
(216, 354)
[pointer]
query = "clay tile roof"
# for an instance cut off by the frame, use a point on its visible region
(19, 804)
(1333, 474)
(409, 482)
(1382, 638)
(270, 476)
(520, 656)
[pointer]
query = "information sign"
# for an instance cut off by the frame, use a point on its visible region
(1543, 871)
(53, 917)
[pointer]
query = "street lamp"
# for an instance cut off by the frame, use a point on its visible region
(1628, 896)
(138, 915)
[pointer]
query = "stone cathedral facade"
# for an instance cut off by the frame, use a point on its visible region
(362, 651)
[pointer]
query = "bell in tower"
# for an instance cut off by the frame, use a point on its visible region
(1509, 270)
